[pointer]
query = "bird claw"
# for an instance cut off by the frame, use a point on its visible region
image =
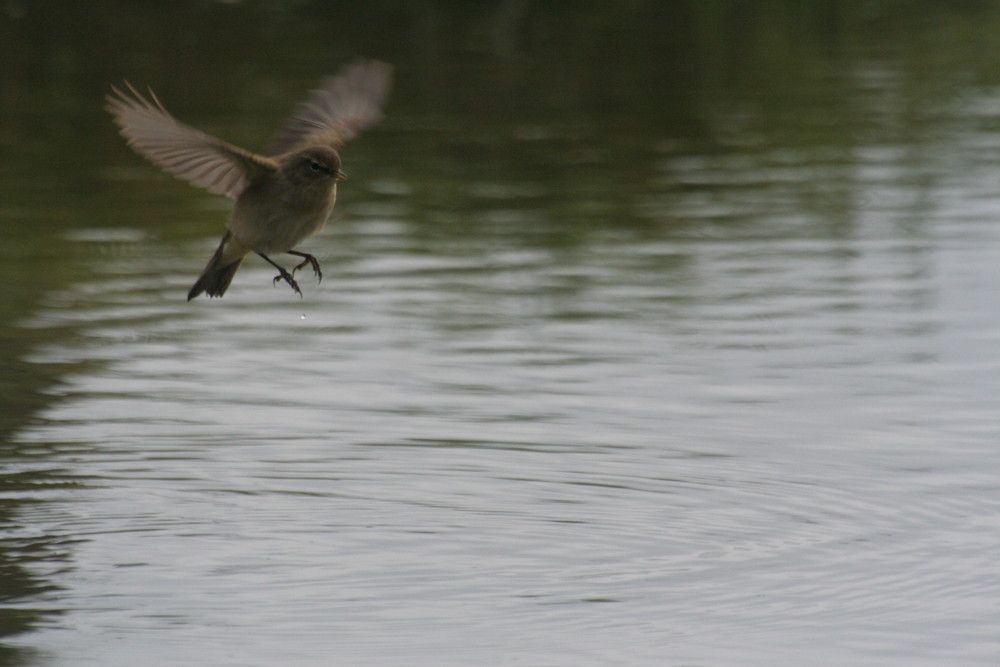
(309, 261)
(287, 277)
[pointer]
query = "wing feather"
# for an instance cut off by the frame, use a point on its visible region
(335, 113)
(183, 151)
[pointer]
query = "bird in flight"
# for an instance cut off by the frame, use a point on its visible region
(283, 195)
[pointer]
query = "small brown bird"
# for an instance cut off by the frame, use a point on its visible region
(283, 196)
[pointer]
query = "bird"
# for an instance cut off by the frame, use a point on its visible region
(283, 195)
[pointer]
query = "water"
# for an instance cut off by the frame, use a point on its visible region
(571, 392)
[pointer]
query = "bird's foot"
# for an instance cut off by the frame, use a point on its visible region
(308, 260)
(287, 277)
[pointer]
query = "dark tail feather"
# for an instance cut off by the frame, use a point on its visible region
(215, 279)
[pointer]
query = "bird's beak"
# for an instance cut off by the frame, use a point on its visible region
(339, 175)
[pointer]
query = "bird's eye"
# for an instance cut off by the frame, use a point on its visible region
(315, 166)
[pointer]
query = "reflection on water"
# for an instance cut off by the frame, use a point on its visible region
(584, 384)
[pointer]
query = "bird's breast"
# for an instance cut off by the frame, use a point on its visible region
(275, 219)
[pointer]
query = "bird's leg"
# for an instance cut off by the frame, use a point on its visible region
(283, 275)
(310, 260)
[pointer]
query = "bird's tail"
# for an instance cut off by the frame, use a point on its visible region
(215, 279)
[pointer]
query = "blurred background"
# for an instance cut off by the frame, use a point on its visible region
(652, 332)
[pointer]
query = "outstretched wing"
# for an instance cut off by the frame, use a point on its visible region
(183, 151)
(339, 110)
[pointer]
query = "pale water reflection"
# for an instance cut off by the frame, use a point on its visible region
(566, 396)
(696, 443)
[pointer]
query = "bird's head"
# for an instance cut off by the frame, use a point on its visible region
(315, 164)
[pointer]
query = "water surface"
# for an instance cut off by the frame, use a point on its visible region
(590, 379)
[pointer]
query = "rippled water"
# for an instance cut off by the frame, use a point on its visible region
(622, 400)
(694, 442)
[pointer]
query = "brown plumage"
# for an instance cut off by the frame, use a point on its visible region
(283, 196)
